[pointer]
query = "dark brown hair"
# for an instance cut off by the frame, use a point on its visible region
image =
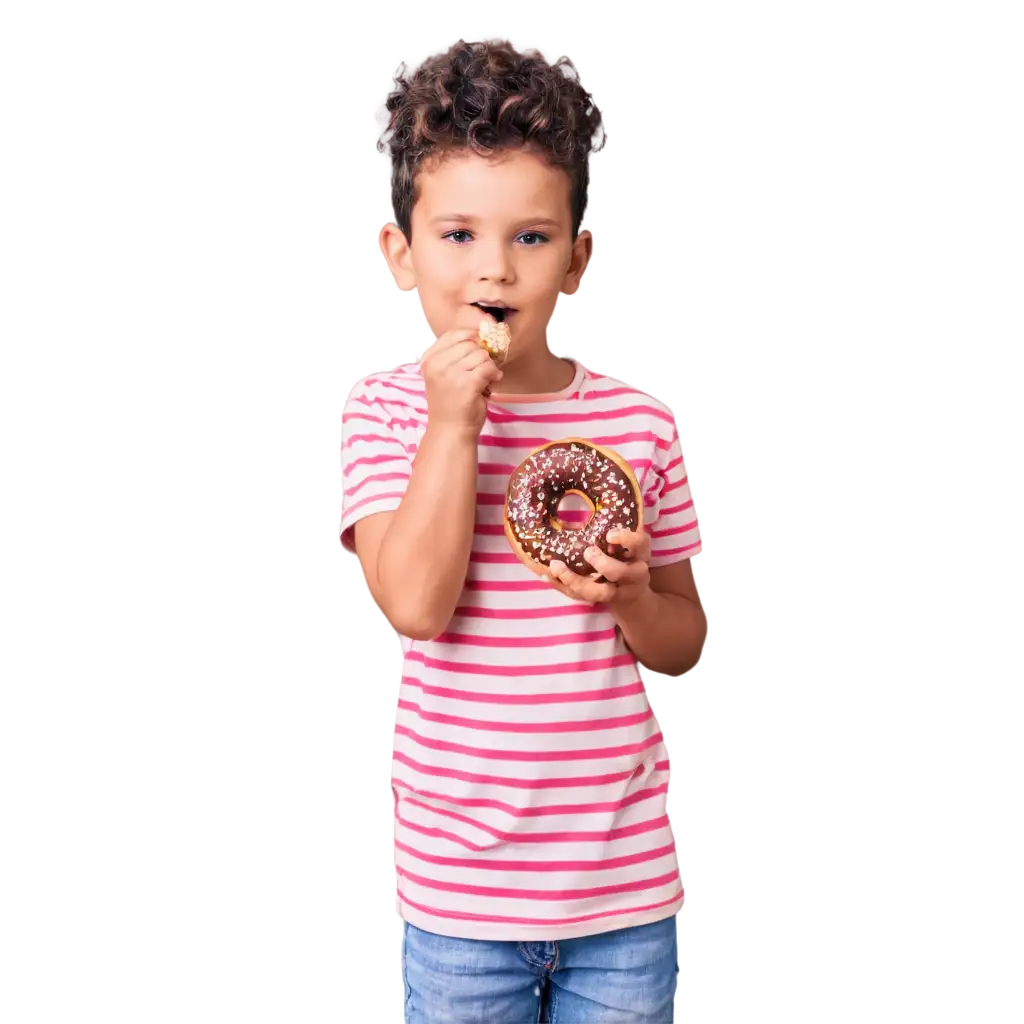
(488, 97)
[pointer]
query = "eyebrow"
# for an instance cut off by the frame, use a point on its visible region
(469, 219)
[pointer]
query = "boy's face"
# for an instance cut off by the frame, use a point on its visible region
(490, 228)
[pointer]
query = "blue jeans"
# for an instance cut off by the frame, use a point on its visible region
(626, 976)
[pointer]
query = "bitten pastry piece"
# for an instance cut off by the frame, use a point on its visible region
(572, 466)
(496, 338)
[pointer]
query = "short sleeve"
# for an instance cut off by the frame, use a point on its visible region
(669, 515)
(376, 463)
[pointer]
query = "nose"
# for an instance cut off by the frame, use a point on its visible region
(495, 261)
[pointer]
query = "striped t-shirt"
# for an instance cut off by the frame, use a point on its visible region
(529, 773)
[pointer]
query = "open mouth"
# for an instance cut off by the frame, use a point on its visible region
(500, 313)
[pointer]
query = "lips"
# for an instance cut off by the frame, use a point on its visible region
(499, 313)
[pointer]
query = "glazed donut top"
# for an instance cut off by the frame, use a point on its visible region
(541, 481)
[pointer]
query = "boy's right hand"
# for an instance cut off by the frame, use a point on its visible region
(458, 373)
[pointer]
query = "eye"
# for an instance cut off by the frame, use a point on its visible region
(535, 234)
(460, 231)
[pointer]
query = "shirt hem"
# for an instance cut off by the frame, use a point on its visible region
(500, 931)
(347, 528)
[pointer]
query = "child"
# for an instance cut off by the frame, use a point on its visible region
(536, 868)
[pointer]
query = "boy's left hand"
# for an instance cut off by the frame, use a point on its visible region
(627, 580)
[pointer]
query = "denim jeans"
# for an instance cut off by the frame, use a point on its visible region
(626, 976)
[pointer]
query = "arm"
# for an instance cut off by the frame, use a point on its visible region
(416, 558)
(656, 607)
(665, 627)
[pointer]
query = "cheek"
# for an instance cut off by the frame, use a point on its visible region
(440, 296)
(439, 270)
(540, 273)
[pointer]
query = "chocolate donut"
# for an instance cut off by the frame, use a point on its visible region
(539, 483)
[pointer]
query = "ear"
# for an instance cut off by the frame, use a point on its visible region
(398, 254)
(582, 249)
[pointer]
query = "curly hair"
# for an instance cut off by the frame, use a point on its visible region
(487, 97)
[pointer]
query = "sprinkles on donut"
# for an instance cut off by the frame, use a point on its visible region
(539, 483)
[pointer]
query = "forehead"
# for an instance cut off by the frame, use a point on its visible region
(508, 184)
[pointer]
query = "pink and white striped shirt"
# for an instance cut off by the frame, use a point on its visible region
(529, 773)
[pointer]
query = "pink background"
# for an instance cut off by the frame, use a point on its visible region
(195, 698)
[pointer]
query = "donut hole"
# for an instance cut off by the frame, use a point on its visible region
(574, 512)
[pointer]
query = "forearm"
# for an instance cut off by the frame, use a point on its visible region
(665, 631)
(424, 556)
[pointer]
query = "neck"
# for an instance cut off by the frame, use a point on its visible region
(535, 373)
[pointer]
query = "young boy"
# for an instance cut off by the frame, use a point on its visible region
(536, 868)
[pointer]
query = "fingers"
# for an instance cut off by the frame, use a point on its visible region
(465, 354)
(440, 356)
(472, 357)
(578, 587)
(479, 365)
(634, 571)
(462, 340)
(636, 543)
(617, 572)
(488, 370)
(493, 375)
(611, 568)
(449, 340)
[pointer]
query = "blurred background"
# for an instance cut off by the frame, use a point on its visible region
(807, 226)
